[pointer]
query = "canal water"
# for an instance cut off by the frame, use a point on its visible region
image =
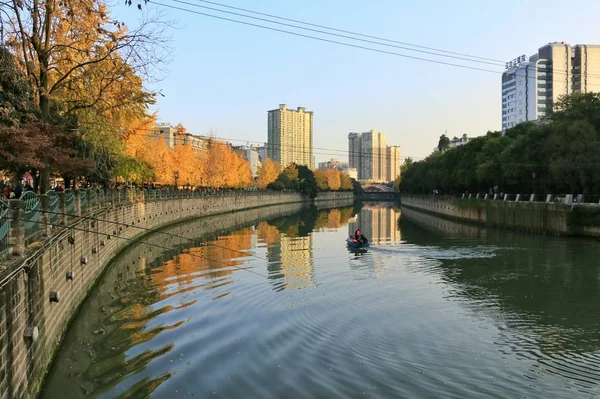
(282, 309)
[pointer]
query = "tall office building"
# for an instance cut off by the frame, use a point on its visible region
(290, 136)
(369, 154)
(530, 88)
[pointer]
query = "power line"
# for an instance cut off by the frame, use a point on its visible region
(470, 58)
(343, 43)
(495, 63)
(138, 241)
(350, 32)
(146, 229)
(325, 40)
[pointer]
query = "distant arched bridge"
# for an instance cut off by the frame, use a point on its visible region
(379, 192)
(381, 188)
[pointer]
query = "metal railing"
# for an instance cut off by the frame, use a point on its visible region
(69, 202)
(89, 199)
(4, 226)
(568, 199)
(93, 198)
(83, 200)
(32, 207)
(53, 207)
(101, 197)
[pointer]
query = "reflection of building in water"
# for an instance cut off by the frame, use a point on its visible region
(377, 222)
(296, 261)
(290, 258)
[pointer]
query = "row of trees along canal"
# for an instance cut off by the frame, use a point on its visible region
(74, 103)
(559, 154)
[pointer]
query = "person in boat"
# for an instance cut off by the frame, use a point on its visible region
(359, 237)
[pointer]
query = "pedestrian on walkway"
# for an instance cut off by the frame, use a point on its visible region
(7, 190)
(18, 190)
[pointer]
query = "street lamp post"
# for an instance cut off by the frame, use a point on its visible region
(533, 175)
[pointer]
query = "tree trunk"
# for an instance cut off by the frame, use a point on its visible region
(45, 111)
(36, 181)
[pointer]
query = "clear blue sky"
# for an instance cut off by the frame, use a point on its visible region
(224, 76)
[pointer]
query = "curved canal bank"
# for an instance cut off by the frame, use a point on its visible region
(280, 308)
(41, 291)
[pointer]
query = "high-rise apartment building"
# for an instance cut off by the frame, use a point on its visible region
(290, 136)
(369, 154)
(530, 88)
(393, 162)
(354, 151)
(586, 68)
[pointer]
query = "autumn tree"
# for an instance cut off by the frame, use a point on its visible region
(333, 179)
(345, 182)
(161, 164)
(267, 173)
(185, 166)
(17, 102)
(321, 180)
(76, 56)
(27, 144)
(240, 174)
(227, 168)
(33, 146)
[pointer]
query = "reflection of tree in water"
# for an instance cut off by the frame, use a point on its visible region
(544, 286)
(118, 314)
(333, 218)
(303, 223)
(215, 258)
(297, 225)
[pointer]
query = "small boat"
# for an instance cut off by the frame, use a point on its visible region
(353, 243)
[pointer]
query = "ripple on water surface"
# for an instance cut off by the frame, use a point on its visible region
(283, 309)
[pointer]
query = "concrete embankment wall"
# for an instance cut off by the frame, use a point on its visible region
(41, 291)
(534, 217)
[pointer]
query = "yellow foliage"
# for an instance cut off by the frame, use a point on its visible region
(226, 168)
(268, 173)
(214, 259)
(267, 233)
(217, 166)
(333, 179)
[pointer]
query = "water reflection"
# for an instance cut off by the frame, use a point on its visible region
(289, 243)
(278, 307)
(378, 222)
(542, 293)
(114, 341)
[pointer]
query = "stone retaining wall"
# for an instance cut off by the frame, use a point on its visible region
(41, 290)
(534, 217)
